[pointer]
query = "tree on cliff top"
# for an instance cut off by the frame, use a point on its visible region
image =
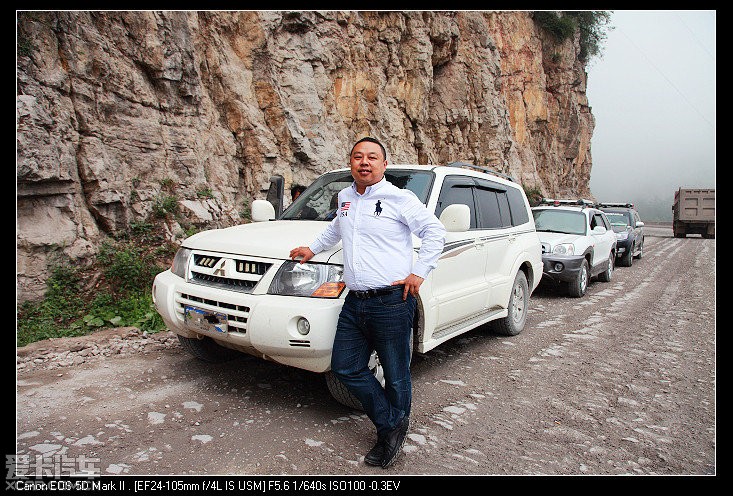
(592, 26)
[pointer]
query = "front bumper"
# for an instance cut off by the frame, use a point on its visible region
(623, 245)
(561, 268)
(262, 325)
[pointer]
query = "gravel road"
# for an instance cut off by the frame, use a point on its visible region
(621, 381)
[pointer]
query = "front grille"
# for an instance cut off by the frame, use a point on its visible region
(223, 282)
(232, 274)
(237, 315)
(205, 260)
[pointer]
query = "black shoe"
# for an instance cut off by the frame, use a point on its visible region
(374, 457)
(393, 442)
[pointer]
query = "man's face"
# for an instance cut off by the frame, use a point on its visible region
(367, 164)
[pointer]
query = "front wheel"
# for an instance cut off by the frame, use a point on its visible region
(341, 393)
(579, 286)
(606, 275)
(627, 258)
(513, 323)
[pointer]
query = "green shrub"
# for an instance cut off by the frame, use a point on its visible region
(165, 204)
(534, 195)
(591, 26)
(115, 291)
(205, 193)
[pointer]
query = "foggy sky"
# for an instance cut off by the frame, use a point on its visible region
(652, 93)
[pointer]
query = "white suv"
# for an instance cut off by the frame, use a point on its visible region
(577, 243)
(236, 288)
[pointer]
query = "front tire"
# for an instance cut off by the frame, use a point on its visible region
(607, 274)
(341, 393)
(513, 323)
(579, 286)
(627, 258)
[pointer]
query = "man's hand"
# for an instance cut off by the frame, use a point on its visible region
(412, 285)
(302, 251)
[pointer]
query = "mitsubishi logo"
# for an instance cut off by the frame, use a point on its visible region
(220, 269)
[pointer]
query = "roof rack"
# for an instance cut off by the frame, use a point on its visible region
(580, 202)
(618, 204)
(481, 169)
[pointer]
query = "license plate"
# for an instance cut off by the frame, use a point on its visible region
(205, 320)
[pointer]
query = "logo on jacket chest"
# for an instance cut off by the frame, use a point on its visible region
(378, 208)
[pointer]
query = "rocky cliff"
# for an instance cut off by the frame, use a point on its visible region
(120, 113)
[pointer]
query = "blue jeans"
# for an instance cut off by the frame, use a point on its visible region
(381, 323)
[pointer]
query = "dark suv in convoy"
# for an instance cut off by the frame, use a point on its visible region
(629, 230)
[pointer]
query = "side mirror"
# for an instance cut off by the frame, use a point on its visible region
(275, 193)
(456, 218)
(262, 210)
(599, 230)
(640, 224)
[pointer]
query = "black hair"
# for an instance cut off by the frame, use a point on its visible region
(296, 188)
(370, 140)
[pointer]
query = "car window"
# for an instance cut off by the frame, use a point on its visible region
(598, 220)
(506, 217)
(457, 189)
(606, 224)
(618, 221)
(318, 201)
(562, 221)
(488, 208)
(517, 206)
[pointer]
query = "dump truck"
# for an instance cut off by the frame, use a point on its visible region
(694, 212)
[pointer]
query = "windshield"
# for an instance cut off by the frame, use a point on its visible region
(561, 221)
(619, 220)
(319, 201)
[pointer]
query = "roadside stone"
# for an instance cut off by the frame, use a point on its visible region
(65, 352)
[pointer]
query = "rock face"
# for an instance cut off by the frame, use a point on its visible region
(120, 114)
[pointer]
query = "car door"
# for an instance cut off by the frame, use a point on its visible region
(495, 236)
(459, 287)
(638, 230)
(602, 243)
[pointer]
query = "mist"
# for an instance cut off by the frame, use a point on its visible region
(652, 93)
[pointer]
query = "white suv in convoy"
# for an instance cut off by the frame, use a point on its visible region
(577, 243)
(236, 290)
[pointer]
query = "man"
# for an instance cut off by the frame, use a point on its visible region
(375, 223)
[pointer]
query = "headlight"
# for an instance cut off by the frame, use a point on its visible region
(180, 262)
(564, 249)
(622, 235)
(308, 279)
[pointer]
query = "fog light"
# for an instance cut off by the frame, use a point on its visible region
(304, 327)
(558, 267)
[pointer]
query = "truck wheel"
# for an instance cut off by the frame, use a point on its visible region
(513, 323)
(606, 275)
(627, 258)
(341, 393)
(207, 350)
(579, 286)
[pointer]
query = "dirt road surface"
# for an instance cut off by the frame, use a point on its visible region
(621, 381)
